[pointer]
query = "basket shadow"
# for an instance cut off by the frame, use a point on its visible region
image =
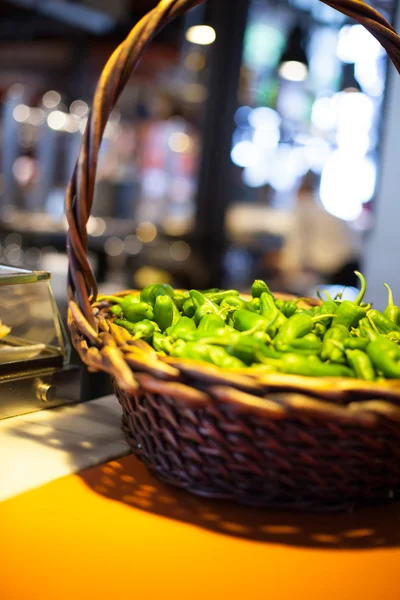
(128, 481)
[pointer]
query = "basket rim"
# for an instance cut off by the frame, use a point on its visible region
(135, 365)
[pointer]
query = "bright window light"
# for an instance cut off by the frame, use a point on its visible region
(355, 111)
(244, 154)
(283, 170)
(266, 140)
(51, 99)
(203, 35)
(371, 77)
(257, 174)
(346, 185)
(57, 120)
(179, 142)
(356, 44)
(323, 114)
(21, 113)
(79, 108)
(293, 71)
(317, 151)
(264, 118)
(354, 144)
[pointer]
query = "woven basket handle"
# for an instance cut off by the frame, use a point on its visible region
(82, 287)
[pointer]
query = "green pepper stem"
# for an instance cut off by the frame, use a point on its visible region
(337, 344)
(390, 295)
(321, 317)
(363, 289)
(371, 322)
(272, 362)
(256, 329)
(110, 299)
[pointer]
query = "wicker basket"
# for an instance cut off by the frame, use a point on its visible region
(274, 439)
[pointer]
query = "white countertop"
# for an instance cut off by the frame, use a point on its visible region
(39, 447)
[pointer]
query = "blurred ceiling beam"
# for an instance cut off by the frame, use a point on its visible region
(80, 15)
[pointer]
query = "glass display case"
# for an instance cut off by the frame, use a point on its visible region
(34, 349)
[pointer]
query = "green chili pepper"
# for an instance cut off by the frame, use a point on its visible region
(212, 354)
(289, 308)
(309, 343)
(189, 308)
(247, 348)
(151, 292)
(297, 326)
(255, 303)
(218, 297)
(210, 324)
(261, 336)
(259, 287)
(162, 343)
(366, 324)
(203, 305)
(356, 343)
(184, 329)
(392, 312)
(116, 310)
(229, 305)
(128, 301)
(142, 329)
(309, 366)
(244, 320)
(180, 300)
(327, 308)
(268, 307)
(361, 364)
(363, 288)
(394, 336)
(312, 366)
(177, 348)
(349, 314)
(136, 311)
(320, 329)
(330, 351)
(383, 324)
(269, 311)
(385, 357)
(126, 325)
(210, 291)
(164, 312)
(224, 360)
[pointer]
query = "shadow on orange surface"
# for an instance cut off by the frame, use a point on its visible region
(128, 481)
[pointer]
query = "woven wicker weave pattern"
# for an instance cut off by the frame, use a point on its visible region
(266, 439)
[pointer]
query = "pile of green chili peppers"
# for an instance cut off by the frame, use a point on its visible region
(335, 339)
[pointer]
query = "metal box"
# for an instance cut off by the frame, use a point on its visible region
(34, 348)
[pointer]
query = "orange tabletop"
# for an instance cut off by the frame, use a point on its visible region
(115, 532)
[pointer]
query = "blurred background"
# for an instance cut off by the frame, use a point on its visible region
(255, 142)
